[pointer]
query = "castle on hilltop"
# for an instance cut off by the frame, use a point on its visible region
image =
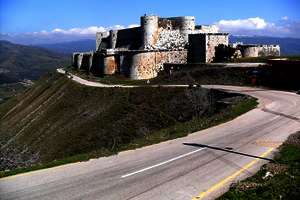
(141, 52)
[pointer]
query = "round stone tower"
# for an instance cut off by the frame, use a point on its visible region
(187, 25)
(149, 25)
(113, 35)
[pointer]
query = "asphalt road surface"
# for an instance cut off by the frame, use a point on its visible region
(172, 170)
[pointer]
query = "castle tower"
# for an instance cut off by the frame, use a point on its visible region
(149, 25)
(113, 34)
(187, 25)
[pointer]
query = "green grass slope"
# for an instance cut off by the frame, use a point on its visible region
(60, 121)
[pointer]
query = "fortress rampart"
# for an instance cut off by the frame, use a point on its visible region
(140, 52)
(253, 50)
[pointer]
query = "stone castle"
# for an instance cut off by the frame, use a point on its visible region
(140, 52)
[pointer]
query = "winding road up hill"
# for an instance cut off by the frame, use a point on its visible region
(173, 170)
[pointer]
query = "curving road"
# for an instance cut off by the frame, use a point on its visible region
(172, 170)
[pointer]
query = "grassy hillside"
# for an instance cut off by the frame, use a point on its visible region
(58, 119)
(8, 90)
(18, 62)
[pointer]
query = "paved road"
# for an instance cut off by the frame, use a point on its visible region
(171, 170)
(228, 65)
(98, 84)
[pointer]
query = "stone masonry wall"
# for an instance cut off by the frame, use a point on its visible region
(140, 52)
(166, 33)
(170, 39)
(212, 41)
(100, 36)
(252, 50)
(202, 46)
(146, 65)
(269, 50)
(206, 29)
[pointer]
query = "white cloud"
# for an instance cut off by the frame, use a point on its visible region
(259, 26)
(58, 35)
(133, 25)
(248, 24)
(87, 30)
(79, 31)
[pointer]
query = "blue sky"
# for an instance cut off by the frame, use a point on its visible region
(27, 16)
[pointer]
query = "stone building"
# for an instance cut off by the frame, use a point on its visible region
(255, 50)
(140, 52)
(202, 46)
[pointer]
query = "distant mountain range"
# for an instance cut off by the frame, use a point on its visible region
(289, 46)
(70, 47)
(18, 62)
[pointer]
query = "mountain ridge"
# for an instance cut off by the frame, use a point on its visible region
(19, 62)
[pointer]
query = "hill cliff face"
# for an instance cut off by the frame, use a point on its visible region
(18, 62)
(58, 118)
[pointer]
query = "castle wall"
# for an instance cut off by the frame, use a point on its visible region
(149, 25)
(79, 60)
(269, 50)
(113, 36)
(206, 29)
(97, 67)
(101, 38)
(140, 52)
(259, 50)
(170, 39)
(75, 59)
(250, 51)
(149, 64)
(110, 64)
(186, 25)
(146, 64)
(212, 41)
(130, 39)
(83, 61)
(202, 46)
(166, 33)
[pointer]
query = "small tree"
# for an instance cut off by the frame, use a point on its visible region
(224, 53)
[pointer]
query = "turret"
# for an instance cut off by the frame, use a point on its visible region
(149, 25)
(113, 34)
(187, 26)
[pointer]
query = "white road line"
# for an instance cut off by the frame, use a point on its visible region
(162, 163)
